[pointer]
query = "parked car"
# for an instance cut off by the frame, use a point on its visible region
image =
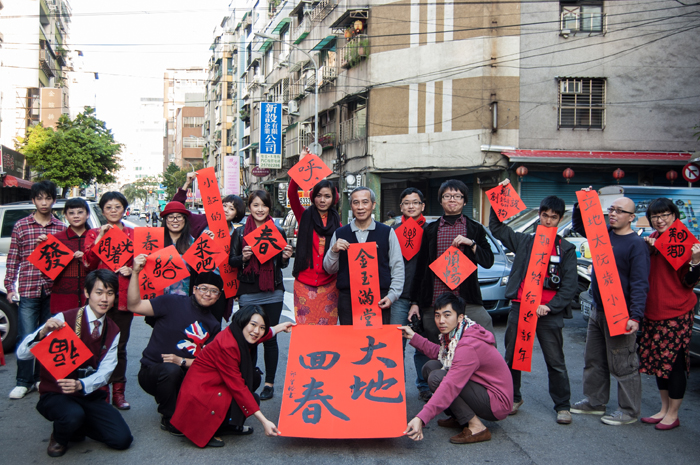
(291, 228)
(8, 314)
(493, 281)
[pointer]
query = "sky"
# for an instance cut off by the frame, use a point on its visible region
(130, 44)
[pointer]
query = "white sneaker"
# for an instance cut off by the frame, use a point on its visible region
(18, 392)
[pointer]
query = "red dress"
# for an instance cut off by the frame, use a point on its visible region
(94, 262)
(67, 291)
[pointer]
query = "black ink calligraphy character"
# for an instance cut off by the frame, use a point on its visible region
(602, 259)
(409, 234)
(362, 256)
(265, 239)
(367, 316)
(360, 387)
(541, 258)
(310, 169)
(675, 250)
(371, 347)
(544, 240)
(525, 335)
(599, 240)
(314, 393)
(595, 220)
(607, 278)
(366, 297)
(365, 278)
(317, 360)
(149, 244)
(536, 277)
(51, 255)
(522, 354)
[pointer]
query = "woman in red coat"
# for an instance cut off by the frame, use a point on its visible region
(218, 392)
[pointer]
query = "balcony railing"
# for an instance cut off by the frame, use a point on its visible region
(352, 53)
(323, 9)
(353, 129)
(300, 32)
(296, 89)
(327, 140)
(46, 62)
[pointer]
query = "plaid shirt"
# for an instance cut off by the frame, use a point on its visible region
(23, 242)
(445, 235)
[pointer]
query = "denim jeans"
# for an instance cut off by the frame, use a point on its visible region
(431, 333)
(399, 314)
(32, 313)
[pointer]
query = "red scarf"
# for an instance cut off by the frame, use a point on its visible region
(420, 220)
(265, 271)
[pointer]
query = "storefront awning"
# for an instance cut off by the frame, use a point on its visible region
(613, 158)
(11, 181)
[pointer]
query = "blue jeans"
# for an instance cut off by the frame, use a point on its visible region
(32, 313)
(399, 314)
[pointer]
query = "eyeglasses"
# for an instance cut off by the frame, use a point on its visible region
(113, 209)
(452, 197)
(663, 216)
(618, 211)
(415, 203)
(212, 291)
(175, 218)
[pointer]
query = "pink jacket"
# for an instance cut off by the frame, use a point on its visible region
(475, 359)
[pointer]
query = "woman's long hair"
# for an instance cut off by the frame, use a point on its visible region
(183, 242)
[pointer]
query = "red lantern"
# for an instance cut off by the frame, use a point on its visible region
(671, 175)
(521, 172)
(618, 174)
(568, 174)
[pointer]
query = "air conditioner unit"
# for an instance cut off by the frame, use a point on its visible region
(320, 76)
(570, 87)
(259, 79)
(293, 106)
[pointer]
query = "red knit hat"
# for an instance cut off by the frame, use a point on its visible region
(174, 207)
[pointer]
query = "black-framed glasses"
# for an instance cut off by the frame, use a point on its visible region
(619, 211)
(415, 203)
(212, 291)
(662, 216)
(175, 218)
(452, 197)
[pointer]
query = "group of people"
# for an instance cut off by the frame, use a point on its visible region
(204, 378)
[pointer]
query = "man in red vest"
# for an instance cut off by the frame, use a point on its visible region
(77, 405)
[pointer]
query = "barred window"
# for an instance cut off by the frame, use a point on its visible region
(582, 103)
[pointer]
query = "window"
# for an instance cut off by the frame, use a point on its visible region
(192, 121)
(192, 142)
(582, 103)
(583, 16)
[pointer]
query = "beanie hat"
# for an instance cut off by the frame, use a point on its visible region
(211, 278)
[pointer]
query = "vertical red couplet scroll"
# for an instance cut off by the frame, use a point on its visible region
(604, 265)
(532, 297)
(364, 285)
(216, 220)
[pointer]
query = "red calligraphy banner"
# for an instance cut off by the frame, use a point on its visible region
(676, 244)
(344, 383)
(147, 289)
(532, 296)
(505, 201)
(148, 240)
(61, 352)
(266, 241)
(229, 275)
(309, 171)
(115, 249)
(453, 267)
(165, 267)
(213, 209)
(51, 257)
(410, 235)
(604, 265)
(364, 285)
(205, 255)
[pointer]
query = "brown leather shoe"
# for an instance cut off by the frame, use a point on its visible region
(466, 437)
(118, 399)
(449, 423)
(55, 449)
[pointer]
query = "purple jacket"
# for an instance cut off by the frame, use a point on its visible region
(198, 222)
(475, 359)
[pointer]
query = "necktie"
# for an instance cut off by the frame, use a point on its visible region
(96, 330)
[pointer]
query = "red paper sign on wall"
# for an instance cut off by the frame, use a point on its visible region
(115, 249)
(410, 235)
(453, 267)
(165, 267)
(604, 265)
(532, 297)
(148, 240)
(51, 257)
(61, 352)
(266, 241)
(309, 171)
(505, 201)
(676, 244)
(344, 382)
(364, 285)
(205, 255)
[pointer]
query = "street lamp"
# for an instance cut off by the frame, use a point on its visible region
(316, 146)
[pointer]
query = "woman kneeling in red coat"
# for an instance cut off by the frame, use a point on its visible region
(217, 394)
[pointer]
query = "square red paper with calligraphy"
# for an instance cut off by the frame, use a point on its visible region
(51, 257)
(505, 201)
(676, 244)
(165, 267)
(266, 241)
(148, 240)
(410, 235)
(204, 254)
(309, 171)
(61, 352)
(115, 249)
(453, 267)
(344, 383)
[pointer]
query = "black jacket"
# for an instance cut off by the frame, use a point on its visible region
(249, 281)
(521, 244)
(469, 290)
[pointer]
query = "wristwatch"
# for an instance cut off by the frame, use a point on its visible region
(183, 363)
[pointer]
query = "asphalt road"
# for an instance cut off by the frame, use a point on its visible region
(532, 436)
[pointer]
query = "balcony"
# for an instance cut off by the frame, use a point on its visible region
(46, 62)
(322, 10)
(352, 53)
(300, 32)
(353, 129)
(296, 88)
(218, 72)
(327, 140)
(309, 79)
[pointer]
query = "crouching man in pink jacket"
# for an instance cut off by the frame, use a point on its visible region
(468, 377)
